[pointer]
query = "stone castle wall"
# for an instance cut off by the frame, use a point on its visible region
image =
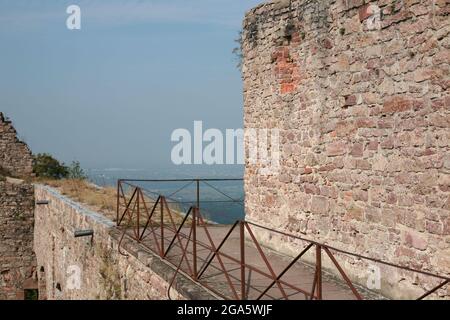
(17, 260)
(92, 268)
(15, 156)
(359, 91)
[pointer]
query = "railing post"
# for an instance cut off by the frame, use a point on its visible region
(194, 244)
(162, 225)
(242, 243)
(138, 214)
(319, 271)
(118, 202)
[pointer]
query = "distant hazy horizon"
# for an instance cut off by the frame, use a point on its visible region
(110, 95)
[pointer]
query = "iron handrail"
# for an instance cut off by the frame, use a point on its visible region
(351, 254)
(133, 205)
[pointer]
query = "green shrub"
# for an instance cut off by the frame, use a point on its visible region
(76, 172)
(45, 166)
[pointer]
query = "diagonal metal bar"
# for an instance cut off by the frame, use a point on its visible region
(222, 193)
(184, 250)
(250, 267)
(130, 220)
(350, 253)
(433, 290)
(149, 222)
(203, 269)
(227, 276)
(127, 207)
(263, 256)
(179, 190)
(341, 271)
(178, 231)
(122, 192)
(138, 216)
(149, 217)
(177, 234)
(284, 271)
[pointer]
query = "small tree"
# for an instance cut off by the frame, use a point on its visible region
(237, 51)
(45, 166)
(76, 172)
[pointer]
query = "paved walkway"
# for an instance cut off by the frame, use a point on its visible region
(300, 275)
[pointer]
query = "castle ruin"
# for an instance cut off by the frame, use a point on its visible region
(359, 91)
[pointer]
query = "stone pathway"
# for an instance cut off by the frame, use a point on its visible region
(300, 275)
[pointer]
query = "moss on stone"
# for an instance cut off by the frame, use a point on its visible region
(110, 277)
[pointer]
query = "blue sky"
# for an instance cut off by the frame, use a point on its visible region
(110, 94)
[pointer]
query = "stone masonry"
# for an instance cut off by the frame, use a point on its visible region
(93, 267)
(359, 91)
(17, 260)
(65, 267)
(15, 156)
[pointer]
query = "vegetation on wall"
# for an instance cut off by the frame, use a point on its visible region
(76, 172)
(237, 51)
(46, 166)
(110, 277)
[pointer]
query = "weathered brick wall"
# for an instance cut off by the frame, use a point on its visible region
(15, 156)
(17, 261)
(103, 272)
(363, 111)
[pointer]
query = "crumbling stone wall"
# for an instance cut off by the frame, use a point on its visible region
(17, 261)
(93, 268)
(15, 156)
(359, 91)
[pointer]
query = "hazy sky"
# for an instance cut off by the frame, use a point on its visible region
(110, 94)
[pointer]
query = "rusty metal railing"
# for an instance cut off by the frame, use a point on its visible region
(223, 258)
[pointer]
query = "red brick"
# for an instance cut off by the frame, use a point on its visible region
(328, 167)
(287, 88)
(311, 189)
(373, 145)
(414, 240)
(360, 195)
(357, 150)
(365, 123)
(336, 149)
(434, 227)
(363, 164)
(397, 104)
(364, 12)
(387, 144)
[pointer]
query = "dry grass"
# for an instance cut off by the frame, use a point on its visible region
(102, 199)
